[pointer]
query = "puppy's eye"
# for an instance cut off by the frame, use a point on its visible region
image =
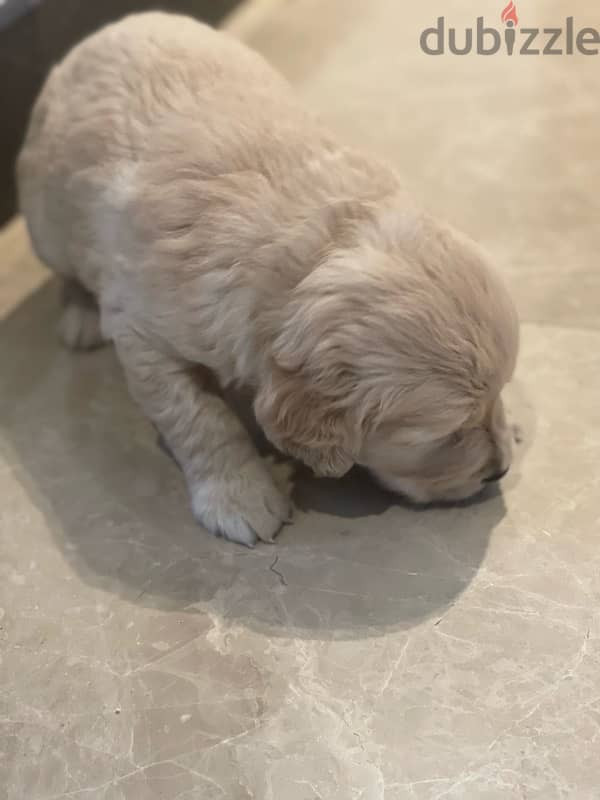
(455, 438)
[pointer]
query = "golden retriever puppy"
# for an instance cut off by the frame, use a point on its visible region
(200, 216)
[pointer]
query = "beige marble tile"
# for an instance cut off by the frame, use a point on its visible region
(376, 652)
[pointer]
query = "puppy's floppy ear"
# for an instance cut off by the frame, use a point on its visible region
(301, 422)
(306, 403)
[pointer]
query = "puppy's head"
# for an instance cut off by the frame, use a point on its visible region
(392, 354)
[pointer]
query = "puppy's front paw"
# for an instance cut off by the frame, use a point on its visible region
(242, 507)
(282, 473)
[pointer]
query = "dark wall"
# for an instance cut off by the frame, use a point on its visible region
(35, 34)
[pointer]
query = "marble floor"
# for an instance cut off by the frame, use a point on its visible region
(376, 652)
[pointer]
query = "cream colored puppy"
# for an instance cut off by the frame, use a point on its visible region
(170, 174)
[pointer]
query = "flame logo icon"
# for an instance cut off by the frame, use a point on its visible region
(509, 14)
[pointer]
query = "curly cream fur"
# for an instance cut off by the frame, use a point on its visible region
(171, 172)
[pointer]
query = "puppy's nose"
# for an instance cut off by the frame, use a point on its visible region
(497, 476)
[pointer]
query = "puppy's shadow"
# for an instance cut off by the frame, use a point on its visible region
(354, 562)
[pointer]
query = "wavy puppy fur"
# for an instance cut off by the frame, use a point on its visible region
(171, 172)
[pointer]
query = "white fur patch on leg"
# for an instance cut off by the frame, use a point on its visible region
(242, 507)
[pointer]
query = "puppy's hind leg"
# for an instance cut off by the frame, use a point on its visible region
(79, 324)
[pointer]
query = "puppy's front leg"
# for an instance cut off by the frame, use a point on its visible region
(232, 491)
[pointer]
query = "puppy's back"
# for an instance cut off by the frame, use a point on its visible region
(100, 109)
(102, 101)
